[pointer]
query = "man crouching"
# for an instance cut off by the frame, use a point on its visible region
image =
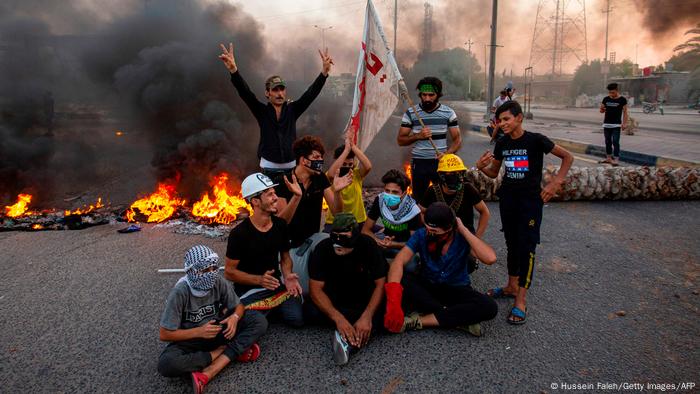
(347, 273)
(205, 323)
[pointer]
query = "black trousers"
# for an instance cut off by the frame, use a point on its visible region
(521, 218)
(180, 358)
(612, 141)
(314, 315)
(453, 306)
(423, 171)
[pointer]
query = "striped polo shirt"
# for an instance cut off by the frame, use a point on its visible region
(439, 121)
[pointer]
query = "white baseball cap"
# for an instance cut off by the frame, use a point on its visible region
(256, 183)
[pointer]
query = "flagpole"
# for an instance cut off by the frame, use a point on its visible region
(395, 67)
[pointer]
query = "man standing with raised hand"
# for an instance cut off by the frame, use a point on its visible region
(276, 118)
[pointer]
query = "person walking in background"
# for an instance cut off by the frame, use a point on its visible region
(614, 106)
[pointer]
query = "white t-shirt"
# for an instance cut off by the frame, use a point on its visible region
(497, 103)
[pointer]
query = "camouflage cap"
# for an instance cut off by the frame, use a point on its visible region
(344, 221)
(274, 81)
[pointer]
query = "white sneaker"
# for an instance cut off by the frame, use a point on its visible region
(341, 349)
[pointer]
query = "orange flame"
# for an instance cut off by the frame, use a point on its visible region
(84, 210)
(20, 207)
(407, 170)
(37, 227)
(223, 207)
(157, 207)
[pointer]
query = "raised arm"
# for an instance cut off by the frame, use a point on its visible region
(332, 193)
(287, 209)
(335, 167)
(365, 163)
(484, 215)
(238, 82)
(301, 104)
(480, 249)
(488, 164)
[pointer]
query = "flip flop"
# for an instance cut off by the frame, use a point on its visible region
(498, 292)
(519, 313)
(250, 355)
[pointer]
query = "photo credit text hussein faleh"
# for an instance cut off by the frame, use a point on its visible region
(627, 386)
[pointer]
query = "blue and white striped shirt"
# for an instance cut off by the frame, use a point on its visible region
(439, 121)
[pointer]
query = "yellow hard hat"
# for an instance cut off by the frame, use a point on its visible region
(451, 163)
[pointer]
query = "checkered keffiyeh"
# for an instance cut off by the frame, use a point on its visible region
(201, 257)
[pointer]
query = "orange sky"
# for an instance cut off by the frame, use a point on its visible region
(292, 24)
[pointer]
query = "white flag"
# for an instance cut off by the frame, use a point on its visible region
(377, 83)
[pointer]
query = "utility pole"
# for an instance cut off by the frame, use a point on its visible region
(396, 12)
(492, 57)
(469, 51)
(606, 66)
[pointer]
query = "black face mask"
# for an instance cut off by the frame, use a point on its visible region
(452, 181)
(316, 165)
(345, 170)
(345, 240)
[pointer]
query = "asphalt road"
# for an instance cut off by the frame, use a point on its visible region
(82, 308)
(684, 122)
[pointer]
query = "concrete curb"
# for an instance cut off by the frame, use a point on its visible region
(641, 159)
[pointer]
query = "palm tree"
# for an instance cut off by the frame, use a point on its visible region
(692, 45)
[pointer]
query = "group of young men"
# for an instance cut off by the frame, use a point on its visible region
(403, 265)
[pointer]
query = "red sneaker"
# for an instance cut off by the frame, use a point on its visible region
(250, 355)
(199, 381)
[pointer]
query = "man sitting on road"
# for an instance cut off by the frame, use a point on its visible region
(257, 256)
(454, 190)
(347, 274)
(309, 187)
(440, 292)
(394, 210)
(205, 323)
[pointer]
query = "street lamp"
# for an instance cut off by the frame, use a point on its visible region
(323, 33)
(469, 51)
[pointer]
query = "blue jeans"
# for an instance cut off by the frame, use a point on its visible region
(612, 141)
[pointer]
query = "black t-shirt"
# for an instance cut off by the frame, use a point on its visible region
(400, 232)
(257, 251)
(463, 204)
(349, 280)
(307, 217)
(613, 111)
(523, 162)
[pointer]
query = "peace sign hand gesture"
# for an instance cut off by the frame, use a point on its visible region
(227, 57)
(327, 61)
